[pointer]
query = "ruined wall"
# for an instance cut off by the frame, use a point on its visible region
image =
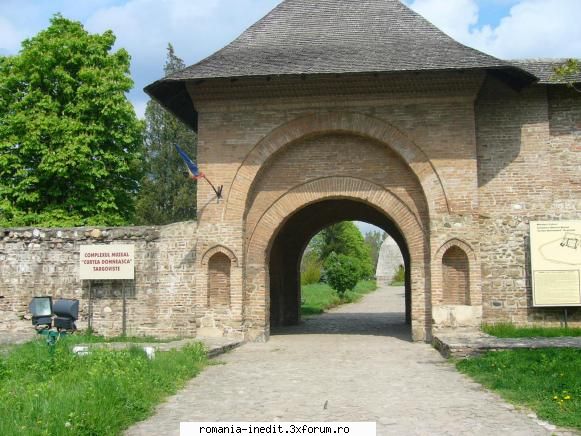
(159, 302)
(529, 159)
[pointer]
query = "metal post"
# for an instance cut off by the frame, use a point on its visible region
(124, 310)
(565, 317)
(90, 320)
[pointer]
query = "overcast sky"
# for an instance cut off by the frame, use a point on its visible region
(508, 29)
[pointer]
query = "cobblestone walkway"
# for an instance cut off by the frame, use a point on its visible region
(353, 364)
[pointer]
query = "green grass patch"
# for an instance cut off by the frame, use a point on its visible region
(507, 330)
(547, 381)
(319, 297)
(99, 394)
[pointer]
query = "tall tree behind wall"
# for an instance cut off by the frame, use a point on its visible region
(166, 196)
(70, 143)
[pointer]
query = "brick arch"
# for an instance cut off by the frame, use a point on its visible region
(347, 122)
(474, 273)
(324, 188)
(455, 242)
(219, 249)
(259, 243)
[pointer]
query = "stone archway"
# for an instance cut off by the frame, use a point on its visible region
(377, 203)
(291, 240)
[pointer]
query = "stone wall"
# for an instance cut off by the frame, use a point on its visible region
(159, 302)
(528, 169)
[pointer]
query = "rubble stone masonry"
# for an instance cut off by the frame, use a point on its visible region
(38, 262)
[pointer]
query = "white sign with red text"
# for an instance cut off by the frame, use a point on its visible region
(107, 262)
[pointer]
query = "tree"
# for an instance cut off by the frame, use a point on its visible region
(374, 240)
(166, 196)
(69, 138)
(344, 238)
(310, 268)
(343, 272)
(568, 72)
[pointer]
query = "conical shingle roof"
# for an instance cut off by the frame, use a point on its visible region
(335, 37)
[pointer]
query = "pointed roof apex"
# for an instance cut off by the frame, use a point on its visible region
(337, 37)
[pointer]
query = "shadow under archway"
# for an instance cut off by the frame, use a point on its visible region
(284, 267)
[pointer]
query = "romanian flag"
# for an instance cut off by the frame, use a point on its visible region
(193, 171)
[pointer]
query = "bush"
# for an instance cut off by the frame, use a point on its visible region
(310, 269)
(342, 272)
(399, 276)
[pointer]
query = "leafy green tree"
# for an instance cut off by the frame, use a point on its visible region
(344, 238)
(166, 196)
(69, 138)
(567, 73)
(343, 272)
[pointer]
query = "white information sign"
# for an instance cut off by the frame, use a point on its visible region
(556, 263)
(107, 262)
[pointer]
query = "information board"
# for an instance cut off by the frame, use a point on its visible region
(556, 263)
(107, 262)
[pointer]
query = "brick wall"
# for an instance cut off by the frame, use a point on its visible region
(528, 169)
(219, 281)
(456, 280)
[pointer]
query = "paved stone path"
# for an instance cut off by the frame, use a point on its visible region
(353, 364)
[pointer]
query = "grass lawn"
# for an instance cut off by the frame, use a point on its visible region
(319, 297)
(99, 394)
(547, 381)
(511, 331)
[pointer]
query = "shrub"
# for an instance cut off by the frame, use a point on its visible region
(342, 272)
(399, 276)
(310, 269)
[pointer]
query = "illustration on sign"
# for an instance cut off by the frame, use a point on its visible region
(556, 263)
(107, 262)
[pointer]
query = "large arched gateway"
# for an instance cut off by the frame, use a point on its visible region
(321, 176)
(315, 115)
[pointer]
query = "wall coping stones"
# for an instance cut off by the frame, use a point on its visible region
(104, 234)
(214, 346)
(466, 343)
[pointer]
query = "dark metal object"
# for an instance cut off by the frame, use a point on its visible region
(218, 190)
(565, 317)
(67, 312)
(41, 309)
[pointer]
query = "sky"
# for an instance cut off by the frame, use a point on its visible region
(508, 29)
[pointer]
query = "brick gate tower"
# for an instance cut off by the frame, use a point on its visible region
(330, 110)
